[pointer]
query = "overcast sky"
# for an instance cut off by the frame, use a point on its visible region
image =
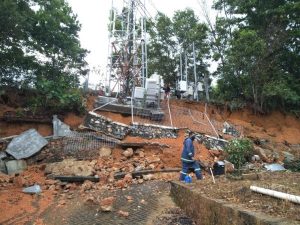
(93, 16)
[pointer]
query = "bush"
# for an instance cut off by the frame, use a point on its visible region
(56, 97)
(238, 151)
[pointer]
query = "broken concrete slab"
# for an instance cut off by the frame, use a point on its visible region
(26, 144)
(3, 155)
(15, 166)
(60, 129)
(35, 189)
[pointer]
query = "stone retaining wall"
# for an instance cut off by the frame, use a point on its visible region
(105, 125)
(206, 211)
(153, 131)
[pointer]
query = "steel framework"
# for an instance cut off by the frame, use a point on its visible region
(127, 56)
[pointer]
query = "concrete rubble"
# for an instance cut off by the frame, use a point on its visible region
(230, 129)
(15, 166)
(60, 129)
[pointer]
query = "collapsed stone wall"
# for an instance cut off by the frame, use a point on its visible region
(105, 125)
(109, 127)
(153, 131)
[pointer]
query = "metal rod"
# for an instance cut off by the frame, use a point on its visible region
(195, 72)
(186, 67)
(132, 104)
(104, 105)
(180, 66)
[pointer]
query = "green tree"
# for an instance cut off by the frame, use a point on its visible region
(260, 58)
(170, 38)
(39, 40)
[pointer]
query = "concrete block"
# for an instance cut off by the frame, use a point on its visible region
(15, 166)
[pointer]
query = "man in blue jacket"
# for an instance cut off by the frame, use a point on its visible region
(187, 158)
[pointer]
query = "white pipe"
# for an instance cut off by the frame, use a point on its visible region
(212, 174)
(276, 194)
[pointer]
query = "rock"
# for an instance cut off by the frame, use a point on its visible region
(90, 200)
(129, 198)
(121, 183)
(229, 167)
(139, 168)
(128, 152)
(148, 177)
(51, 187)
(152, 159)
(51, 182)
(61, 202)
(19, 181)
(106, 204)
(128, 178)
(152, 166)
(141, 154)
(87, 185)
(123, 213)
(262, 153)
(215, 153)
(140, 181)
(105, 152)
(70, 167)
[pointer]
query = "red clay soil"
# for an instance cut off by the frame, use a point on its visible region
(276, 126)
(15, 203)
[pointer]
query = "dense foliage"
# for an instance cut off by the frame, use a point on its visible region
(238, 150)
(39, 44)
(257, 43)
(170, 38)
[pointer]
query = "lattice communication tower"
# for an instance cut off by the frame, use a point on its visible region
(127, 56)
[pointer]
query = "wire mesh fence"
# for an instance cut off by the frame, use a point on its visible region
(182, 117)
(86, 144)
